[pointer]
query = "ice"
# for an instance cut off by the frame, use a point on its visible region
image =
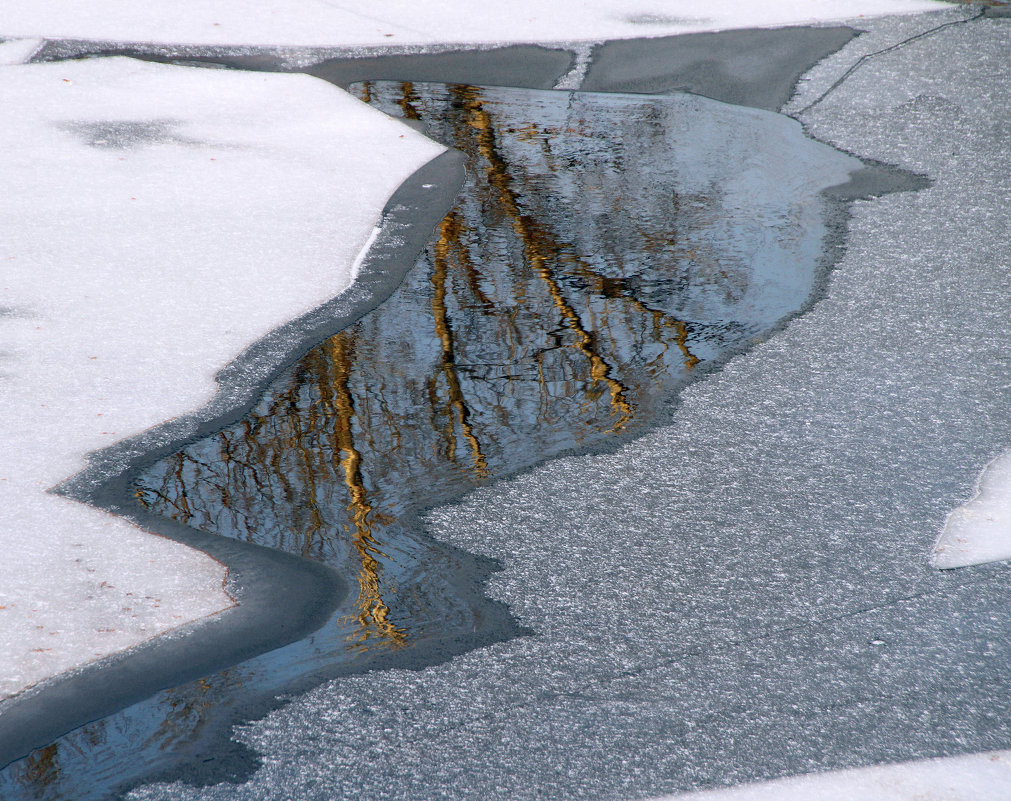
(156, 220)
(399, 22)
(739, 596)
(980, 530)
(744, 594)
(979, 777)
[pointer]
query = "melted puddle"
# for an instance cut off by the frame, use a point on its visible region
(604, 249)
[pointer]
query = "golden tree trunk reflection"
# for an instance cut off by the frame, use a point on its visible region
(373, 613)
(524, 331)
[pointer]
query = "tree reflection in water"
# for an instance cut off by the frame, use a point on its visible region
(549, 312)
(604, 247)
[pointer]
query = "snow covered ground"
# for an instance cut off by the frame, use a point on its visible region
(400, 22)
(745, 593)
(156, 220)
(979, 777)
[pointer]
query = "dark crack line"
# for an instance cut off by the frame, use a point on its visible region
(868, 56)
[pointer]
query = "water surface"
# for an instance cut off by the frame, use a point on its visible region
(580, 280)
(604, 250)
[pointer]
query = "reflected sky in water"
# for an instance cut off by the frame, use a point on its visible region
(577, 283)
(603, 249)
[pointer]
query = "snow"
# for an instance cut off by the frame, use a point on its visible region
(980, 530)
(155, 221)
(400, 22)
(978, 777)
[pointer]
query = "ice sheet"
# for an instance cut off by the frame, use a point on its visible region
(398, 22)
(156, 220)
(979, 530)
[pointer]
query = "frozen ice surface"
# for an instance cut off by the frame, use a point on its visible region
(979, 777)
(398, 22)
(744, 594)
(154, 221)
(882, 35)
(980, 530)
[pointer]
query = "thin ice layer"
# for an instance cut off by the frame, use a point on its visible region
(397, 22)
(156, 220)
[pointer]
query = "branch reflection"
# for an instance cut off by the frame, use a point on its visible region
(547, 313)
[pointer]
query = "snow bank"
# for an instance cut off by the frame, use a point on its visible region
(154, 221)
(980, 530)
(398, 22)
(18, 51)
(978, 777)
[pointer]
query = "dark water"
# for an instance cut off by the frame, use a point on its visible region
(604, 249)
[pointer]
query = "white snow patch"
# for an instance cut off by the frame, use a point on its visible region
(18, 51)
(976, 777)
(980, 530)
(399, 22)
(154, 221)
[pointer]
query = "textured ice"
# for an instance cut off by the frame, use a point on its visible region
(743, 594)
(978, 531)
(882, 35)
(154, 221)
(396, 22)
(979, 777)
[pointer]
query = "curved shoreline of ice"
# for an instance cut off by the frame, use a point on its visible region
(156, 220)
